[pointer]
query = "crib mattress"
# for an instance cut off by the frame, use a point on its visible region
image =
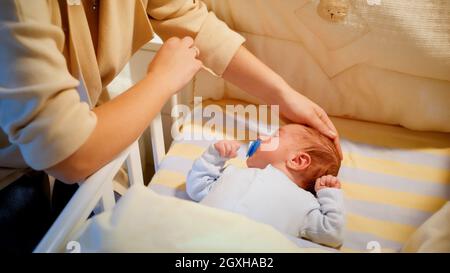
(393, 178)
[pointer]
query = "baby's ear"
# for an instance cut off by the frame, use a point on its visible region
(299, 161)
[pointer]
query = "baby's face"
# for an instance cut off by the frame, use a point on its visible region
(276, 148)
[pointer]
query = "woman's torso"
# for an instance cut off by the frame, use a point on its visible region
(112, 32)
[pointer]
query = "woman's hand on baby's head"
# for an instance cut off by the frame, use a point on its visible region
(227, 148)
(327, 181)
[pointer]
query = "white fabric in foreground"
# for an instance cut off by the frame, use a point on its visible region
(433, 235)
(143, 221)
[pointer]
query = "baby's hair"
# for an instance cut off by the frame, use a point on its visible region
(325, 158)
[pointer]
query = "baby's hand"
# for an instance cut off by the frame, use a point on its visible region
(327, 181)
(227, 148)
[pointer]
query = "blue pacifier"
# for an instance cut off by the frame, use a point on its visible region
(253, 147)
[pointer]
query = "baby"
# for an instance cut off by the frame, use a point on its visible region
(285, 173)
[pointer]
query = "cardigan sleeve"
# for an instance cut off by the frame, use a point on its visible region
(40, 109)
(216, 41)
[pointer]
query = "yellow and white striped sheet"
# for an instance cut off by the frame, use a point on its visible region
(393, 178)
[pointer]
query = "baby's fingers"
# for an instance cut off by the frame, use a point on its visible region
(228, 149)
(236, 147)
(319, 184)
(332, 181)
(321, 181)
(220, 147)
(338, 184)
(233, 154)
(232, 148)
(223, 150)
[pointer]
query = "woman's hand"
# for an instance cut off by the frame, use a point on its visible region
(175, 64)
(300, 109)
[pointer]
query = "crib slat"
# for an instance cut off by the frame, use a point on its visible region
(107, 201)
(134, 166)
(81, 205)
(157, 137)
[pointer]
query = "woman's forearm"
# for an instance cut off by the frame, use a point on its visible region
(253, 76)
(257, 79)
(119, 123)
(122, 120)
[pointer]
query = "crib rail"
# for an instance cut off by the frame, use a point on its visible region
(95, 194)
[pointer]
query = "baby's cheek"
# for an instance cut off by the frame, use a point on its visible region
(249, 162)
(252, 162)
(267, 157)
(268, 147)
(257, 160)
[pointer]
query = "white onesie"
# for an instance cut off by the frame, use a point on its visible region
(268, 196)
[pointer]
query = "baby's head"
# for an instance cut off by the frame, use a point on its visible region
(301, 152)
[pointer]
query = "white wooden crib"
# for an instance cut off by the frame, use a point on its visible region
(370, 148)
(96, 194)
